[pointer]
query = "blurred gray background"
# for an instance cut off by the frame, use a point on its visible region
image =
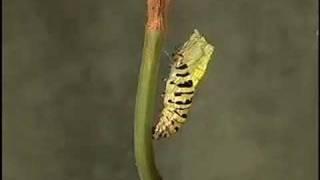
(70, 78)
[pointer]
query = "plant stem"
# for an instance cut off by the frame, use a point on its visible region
(145, 104)
(147, 88)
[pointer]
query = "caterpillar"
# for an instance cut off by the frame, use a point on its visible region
(189, 65)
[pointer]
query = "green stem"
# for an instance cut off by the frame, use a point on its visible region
(145, 105)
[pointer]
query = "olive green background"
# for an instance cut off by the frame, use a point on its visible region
(70, 78)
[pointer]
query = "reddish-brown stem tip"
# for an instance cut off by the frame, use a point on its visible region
(157, 14)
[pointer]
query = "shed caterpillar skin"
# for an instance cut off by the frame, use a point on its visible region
(189, 66)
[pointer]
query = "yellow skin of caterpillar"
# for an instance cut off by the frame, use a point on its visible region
(196, 54)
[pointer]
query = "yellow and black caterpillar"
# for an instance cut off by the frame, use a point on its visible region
(189, 65)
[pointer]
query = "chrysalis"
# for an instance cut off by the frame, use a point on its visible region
(189, 66)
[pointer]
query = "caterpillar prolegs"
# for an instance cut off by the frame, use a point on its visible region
(189, 65)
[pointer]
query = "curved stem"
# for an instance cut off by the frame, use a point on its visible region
(147, 88)
(145, 104)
